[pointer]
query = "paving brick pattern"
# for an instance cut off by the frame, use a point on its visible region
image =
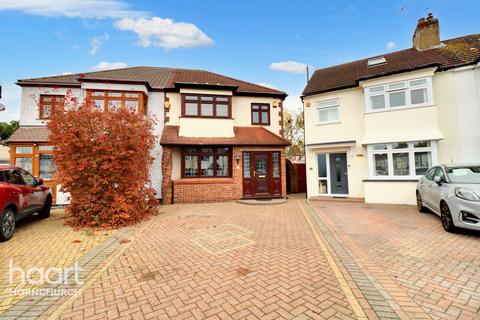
(42, 243)
(411, 257)
(280, 274)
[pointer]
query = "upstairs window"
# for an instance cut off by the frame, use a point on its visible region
(412, 93)
(261, 113)
(206, 106)
(106, 100)
(327, 111)
(48, 103)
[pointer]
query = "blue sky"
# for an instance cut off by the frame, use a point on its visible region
(266, 42)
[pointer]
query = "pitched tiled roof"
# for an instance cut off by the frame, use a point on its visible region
(29, 134)
(452, 53)
(156, 78)
(247, 136)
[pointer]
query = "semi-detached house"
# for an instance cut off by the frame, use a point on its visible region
(219, 138)
(374, 126)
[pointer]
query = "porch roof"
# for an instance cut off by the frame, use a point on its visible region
(29, 134)
(247, 136)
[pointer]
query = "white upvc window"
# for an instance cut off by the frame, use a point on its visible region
(397, 95)
(328, 111)
(401, 160)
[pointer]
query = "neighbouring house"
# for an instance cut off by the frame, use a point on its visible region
(374, 126)
(218, 138)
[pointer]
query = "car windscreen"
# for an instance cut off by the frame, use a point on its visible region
(467, 174)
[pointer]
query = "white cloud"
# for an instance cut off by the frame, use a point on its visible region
(268, 85)
(97, 42)
(165, 33)
(289, 66)
(72, 8)
(391, 45)
(104, 65)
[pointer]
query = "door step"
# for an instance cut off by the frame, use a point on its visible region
(263, 202)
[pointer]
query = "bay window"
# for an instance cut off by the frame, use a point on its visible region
(404, 94)
(207, 106)
(327, 111)
(400, 160)
(204, 162)
(107, 100)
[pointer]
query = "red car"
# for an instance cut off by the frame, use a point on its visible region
(20, 196)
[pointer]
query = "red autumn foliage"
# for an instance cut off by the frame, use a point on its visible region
(103, 162)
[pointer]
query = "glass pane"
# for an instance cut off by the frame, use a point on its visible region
(47, 166)
(246, 164)
(397, 99)
(222, 150)
(206, 164)
(276, 164)
(131, 105)
(191, 109)
(261, 166)
(265, 119)
(47, 98)
(222, 110)
(423, 161)
(59, 99)
(206, 98)
(322, 187)
(376, 89)
(419, 82)
(206, 109)
(191, 166)
(322, 165)
(114, 104)
(377, 102)
(255, 107)
(46, 111)
(114, 94)
(419, 96)
(206, 150)
(222, 99)
(25, 163)
(264, 107)
(45, 148)
(326, 115)
(255, 117)
(131, 95)
(191, 150)
(98, 105)
(421, 144)
(98, 93)
(28, 178)
(222, 166)
(191, 98)
(380, 165)
(400, 164)
(326, 104)
(379, 147)
(395, 86)
(400, 145)
(23, 149)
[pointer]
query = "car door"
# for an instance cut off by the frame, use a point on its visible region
(437, 190)
(36, 191)
(24, 192)
(426, 187)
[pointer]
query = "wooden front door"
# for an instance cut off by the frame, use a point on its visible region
(262, 174)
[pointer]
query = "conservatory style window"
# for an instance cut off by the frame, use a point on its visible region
(401, 160)
(392, 96)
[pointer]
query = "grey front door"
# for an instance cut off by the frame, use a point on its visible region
(338, 173)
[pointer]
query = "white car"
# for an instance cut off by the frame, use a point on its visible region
(453, 193)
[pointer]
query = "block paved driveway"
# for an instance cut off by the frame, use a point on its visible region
(299, 260)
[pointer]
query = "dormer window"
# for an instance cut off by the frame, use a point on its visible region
(376, 61)
(206, 106)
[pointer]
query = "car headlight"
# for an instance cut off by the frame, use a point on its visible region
(466, 194)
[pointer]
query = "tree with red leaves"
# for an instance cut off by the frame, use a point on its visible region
(103, 161)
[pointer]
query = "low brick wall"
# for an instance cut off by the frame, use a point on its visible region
(205, 190)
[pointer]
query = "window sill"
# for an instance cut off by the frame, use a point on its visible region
(327, 123)
(400, 108)
(212, 180)
(207, 117)
(391, 180)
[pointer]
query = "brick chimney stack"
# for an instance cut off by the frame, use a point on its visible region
(427, 33)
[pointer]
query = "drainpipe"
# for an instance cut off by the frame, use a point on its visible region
(305, 149)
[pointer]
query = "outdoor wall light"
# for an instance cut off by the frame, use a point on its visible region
(166, 103)
(275, 104)
(308, 104)
(237, 158)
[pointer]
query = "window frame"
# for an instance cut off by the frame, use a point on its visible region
(34, 156)
(199, 154)
(214, 102)
(390, 151)
(328, 104)
(141, 99)
(407, 87)
(260, 111)
(54, 103)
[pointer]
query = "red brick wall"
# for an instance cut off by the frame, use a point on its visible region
(192, 190)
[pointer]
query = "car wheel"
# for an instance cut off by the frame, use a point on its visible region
(446, 216)
(420, 206)
(45, 213)
(7, 224)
